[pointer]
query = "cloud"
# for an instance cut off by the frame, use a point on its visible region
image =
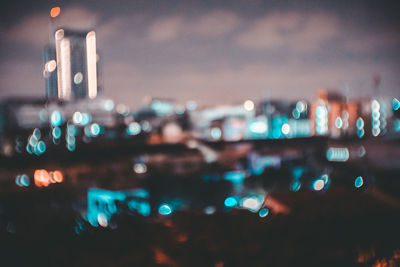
(32, 30)
(292, 30)
(211, 24)
(21, 78)
(165, 29)
(35, 29)
(216, 23)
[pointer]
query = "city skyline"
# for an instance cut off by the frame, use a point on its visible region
(212, 53)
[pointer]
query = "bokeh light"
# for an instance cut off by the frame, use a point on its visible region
(55, 12)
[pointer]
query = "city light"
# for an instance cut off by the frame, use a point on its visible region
(95, 129)
(395, 104)
(248, 105)
(321, 120)
(318, 185)
(91, 64)
(22, 180)
(295, 186)
(236, 177)
(263, 212)
(55, 12)
(133, 128)
(40, 148)
(216, 133)
(337, 154)
(77, 117)
(56, 132)
(209, 210)
(50, 66)
(258, 127)
(251, 203)
(140, 168)
(63, 53)
(338, 122)
(56, 118)
(285, 129)
(44, 178)
(358, 182)
(191, 105)
(230, 202)
(164, 209)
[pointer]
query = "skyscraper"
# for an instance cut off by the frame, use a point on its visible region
(76, 64)
(50, 73)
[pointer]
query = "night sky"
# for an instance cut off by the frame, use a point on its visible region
(212, 51)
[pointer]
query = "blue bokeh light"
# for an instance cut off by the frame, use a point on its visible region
(263, 212)
(358, 182)
(164, 209)
(230, 202)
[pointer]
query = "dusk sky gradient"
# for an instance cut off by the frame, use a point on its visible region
(214, 52)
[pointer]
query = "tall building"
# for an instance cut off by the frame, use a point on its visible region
(50, 73)
(76, 64)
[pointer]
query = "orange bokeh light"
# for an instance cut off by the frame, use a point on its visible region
(58, 176)
(55, 11)
(41, 178)
(45, 178)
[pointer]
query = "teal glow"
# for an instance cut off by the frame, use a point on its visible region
(395, 104)
(396, 126)
(104, 202)
(338, 122)
(301, 106)
(142, 207)
(56, 132)
(296, 113)
(72, 130)
(95, 129)
(360, 133)
(33, 140)
(360, 123)
(162, 108)
(29, 149)
(216, 133)
(297, 172)
(295, 186)
(164, 209)
(56, 118)
(180, 110)
(71, 147)
(325, 178)
(86, 119)
(318, 185)
(22, 180)
(321, 120)
(133, 128)
(109, 105)
(209, 210)
(358, 182)
(37, 133)
(230, 202)
(70, 139)
(40, 148)
(258, 127)
(17, 180)
(236, 177)
(337, 154)
(191, 105)
(77, 117)
(263, 212)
